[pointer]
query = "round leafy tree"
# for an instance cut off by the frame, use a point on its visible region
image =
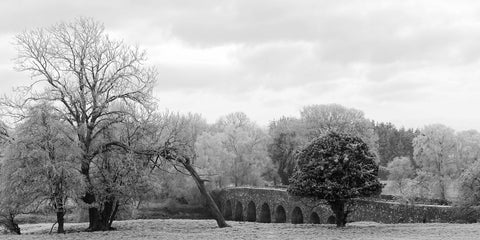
(337, 168)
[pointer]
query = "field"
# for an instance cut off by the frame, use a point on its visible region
(206, 229)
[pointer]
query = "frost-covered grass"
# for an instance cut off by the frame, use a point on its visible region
(206, 229)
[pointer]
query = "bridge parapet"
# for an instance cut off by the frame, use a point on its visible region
(277, 206)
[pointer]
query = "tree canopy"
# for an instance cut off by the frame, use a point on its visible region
(233, 151)
(335, 167)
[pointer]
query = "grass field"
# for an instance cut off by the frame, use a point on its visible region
(206, 229)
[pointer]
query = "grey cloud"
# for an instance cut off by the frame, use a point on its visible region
(195, 78)
(285, 64)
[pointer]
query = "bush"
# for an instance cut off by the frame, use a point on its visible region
(465, 214)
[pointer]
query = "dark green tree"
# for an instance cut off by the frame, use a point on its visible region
(393, 142)
(337, 168)
(286, 139)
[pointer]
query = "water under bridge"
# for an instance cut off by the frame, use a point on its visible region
(276, 205)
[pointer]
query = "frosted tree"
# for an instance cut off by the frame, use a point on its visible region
(468, 148)
(434, 152)
(83, 73)
(237, 147)
(321, 119)
(401, 175)
(40, 163)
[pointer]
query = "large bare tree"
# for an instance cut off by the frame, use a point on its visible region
(84, 74)
(95, 84)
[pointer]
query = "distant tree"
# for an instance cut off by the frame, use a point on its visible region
(468, 148)
(469, 192)
(393, 142)
(84, 75)
(434, 151)
(214, 160)
(286, 138)
(337, 168)
(321, 119)
(401, 173)
(468, 161)
(237, 148)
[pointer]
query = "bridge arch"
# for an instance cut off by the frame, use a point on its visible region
(280, 214)
(297, 215)
(331, 220)
(265, 215)
(238, 216)
(228, 210)
(314, 218)
(251, 212)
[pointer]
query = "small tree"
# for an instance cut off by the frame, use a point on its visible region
(401, 172)
(337, 168)
(39, 165)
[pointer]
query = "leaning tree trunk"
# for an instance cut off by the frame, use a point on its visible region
(210, 202)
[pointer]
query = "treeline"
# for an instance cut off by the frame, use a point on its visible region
(444, 166)
(432, 162)
(42, 155)
(39, 166)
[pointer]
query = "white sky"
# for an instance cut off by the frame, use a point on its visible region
(411, 63)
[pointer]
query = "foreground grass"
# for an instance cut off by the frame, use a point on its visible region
(206, 229)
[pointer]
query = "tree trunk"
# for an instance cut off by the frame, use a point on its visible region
(114, 215)
(93, 219)
(210, 202)
(338, 207)
(102, 220)
(60, 221)
(283, 176)
(10, 224)
(441, 183)
(60, 216)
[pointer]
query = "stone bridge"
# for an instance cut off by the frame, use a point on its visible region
(268, 205)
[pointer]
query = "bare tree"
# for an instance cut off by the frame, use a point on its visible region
(84, 74)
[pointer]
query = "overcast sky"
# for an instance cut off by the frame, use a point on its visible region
(411, 63)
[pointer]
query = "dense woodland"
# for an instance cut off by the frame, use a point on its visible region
(87, 136)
